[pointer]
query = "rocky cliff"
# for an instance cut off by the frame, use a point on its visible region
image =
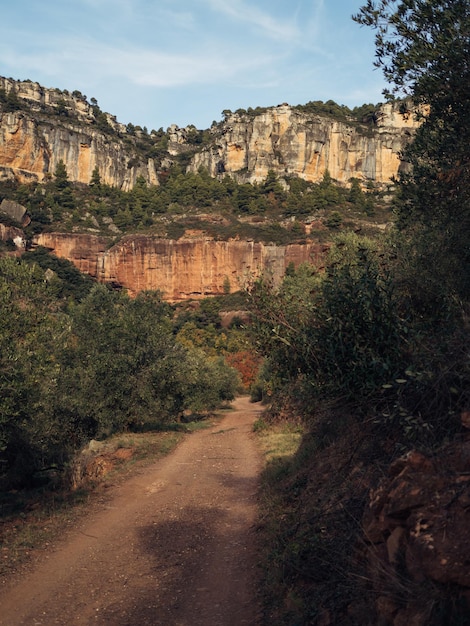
(186, 268)
(39, 127)
(292, 142)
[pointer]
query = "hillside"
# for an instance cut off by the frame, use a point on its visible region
(360, 357)
(268, 187)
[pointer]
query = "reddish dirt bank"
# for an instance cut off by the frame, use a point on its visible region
(172, 546)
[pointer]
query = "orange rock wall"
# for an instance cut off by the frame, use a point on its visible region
(182, 269)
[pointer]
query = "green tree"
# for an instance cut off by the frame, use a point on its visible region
(211, 382)
(334, 333)
(116, 370)
(9, 101)
(423, 49)
(63, 192)
(95, 181)
(356, 195)
(334, 220)
(31, 332)
(61, 179)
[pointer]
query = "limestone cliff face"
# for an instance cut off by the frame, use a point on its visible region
(48, 125)
(186, 268)
(54, 126)
(291, 142)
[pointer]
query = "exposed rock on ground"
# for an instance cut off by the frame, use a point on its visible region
(418, 529)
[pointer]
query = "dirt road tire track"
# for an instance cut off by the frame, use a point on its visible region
(173, 546)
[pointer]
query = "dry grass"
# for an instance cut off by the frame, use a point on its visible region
(278, 441)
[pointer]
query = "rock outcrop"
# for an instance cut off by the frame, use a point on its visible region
(292, 142)
(15, 211)
(181, 269)
(418, 531)
(52, 126)
(40, 127)
(15, 235)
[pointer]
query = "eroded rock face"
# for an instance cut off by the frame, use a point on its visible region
(30, 150)
(54, 125)
(418, 530)
(84, 251)
(10, 233)
(34, 140)
(291, 142)
(182, 269)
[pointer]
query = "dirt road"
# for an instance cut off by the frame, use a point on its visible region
(173, 546)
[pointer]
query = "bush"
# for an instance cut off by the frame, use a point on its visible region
(336, 333)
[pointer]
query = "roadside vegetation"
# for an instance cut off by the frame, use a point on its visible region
(370, 351)
(79, 361)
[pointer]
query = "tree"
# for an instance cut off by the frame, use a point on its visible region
(356, 195)
(423, 49)
(9, 101)
(61, 178)
(31, 436)
(421, 46)
(333, 334)
(95, 178)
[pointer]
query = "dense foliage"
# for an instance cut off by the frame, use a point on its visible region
(424, 50)
(381, 324)
(268, 211)
(333, 333)
(372, 348)
(81, 365)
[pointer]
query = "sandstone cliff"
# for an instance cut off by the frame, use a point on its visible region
(292, 142)
(51, 126)
(186, 268)
(45, 126)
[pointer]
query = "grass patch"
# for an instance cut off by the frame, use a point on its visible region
(279, 440)
(148, 446)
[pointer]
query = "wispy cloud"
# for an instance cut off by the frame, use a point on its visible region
(136, 65)
(145, 13)
(138, 56)
(263, 21)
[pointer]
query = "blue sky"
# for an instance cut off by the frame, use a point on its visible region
(158, 62)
